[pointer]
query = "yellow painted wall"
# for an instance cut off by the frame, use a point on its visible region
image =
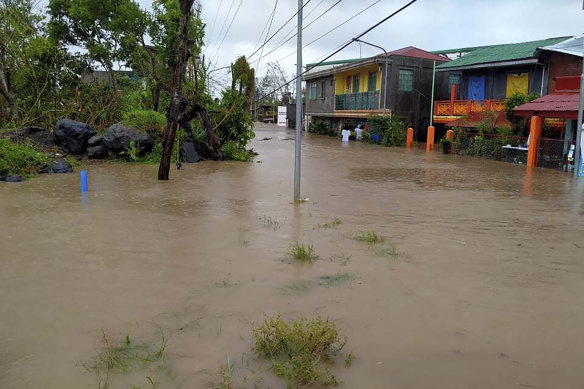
(341, 79)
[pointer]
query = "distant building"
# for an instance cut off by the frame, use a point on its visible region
(339, 92)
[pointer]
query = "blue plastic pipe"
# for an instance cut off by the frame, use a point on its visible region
(83, 175)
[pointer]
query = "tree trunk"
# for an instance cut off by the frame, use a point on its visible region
(6, 91)
(177, 103)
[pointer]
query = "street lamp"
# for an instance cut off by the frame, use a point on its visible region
(385, 72)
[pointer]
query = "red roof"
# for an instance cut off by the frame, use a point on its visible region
(411, 51)
(556, 105)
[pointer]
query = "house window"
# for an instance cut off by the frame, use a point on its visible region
(372, 81)
(453, 79)
(322, 90)
(356, 81)
(406, 80)
(313, 91)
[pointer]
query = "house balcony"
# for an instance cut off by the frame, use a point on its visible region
(358, 104)
(450, 110)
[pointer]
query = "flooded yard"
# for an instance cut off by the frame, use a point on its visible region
(479, 283)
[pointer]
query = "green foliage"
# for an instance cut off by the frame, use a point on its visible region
(125, 356)
(322, 128)
(390, 129)
(231, 151)
(519, 124)
(148, 121)
(446, 145)
(19, 159)
(299, 349)
(370, 237)
(303, 253)
(486, 147)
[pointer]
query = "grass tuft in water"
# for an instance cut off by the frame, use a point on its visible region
(390, 250)
(225, 377)
(370, 237)
(303, 253)
(349, 359)
(337, 279)
(332, 224)
(299, 350)
(126, 355)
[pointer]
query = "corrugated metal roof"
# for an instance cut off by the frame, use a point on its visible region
(411, 51)
(571, 46)
(500, 53)
(556, 102)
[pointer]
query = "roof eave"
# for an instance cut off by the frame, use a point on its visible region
(528, 61)
(344, 68)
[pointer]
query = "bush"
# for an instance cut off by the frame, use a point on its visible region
(151, 122)
(234, 123)
(19, 159)
(389, 129)
(322, 128)
(233, 151)
(446, 145)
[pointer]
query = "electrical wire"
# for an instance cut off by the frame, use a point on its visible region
(268, 33)
(227, 32)
(342, 47)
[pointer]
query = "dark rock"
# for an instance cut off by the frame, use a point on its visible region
(97, 152)
(44, 169)
(189, 153)
(95, 140)
(118, 137)
(11, 178)
(73, 136)
(61, 166)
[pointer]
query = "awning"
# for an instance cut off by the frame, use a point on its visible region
(555, 105)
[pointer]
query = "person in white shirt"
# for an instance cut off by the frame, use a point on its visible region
(345, 134)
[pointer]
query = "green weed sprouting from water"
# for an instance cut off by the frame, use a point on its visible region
(126, 356)
(302, 253)
(349, 359)
(299, 349)
(370, 237)
(332, 224)
(225, 376)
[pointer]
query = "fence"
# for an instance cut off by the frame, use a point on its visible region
(357, 101)
(511, 149)
(553, 153)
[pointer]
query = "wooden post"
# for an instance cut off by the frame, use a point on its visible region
(410, 138)
(450, 135)
(452, 98)
(535, 130)
(430, 140)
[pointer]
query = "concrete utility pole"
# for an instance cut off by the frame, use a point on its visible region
(297, 164)
(384, 72)
(578, 157)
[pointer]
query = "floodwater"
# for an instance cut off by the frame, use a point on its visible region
(487, 290)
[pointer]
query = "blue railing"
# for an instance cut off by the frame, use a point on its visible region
(357, 101)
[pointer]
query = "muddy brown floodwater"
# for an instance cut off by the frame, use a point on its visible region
(487, 289)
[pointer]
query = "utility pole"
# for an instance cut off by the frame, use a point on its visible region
(298, 140)
(432, 97)
(578, 157)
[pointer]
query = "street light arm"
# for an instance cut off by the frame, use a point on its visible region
(385, 71)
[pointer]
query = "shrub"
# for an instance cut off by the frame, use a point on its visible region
(298, 349)
(322, 128)
(20, 159)
(151, 122)
(446, 145)
(232, 151)
(389, 129)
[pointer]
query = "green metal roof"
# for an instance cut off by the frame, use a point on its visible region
(500, 53)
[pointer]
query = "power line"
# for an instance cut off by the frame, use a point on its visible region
(342, 47)
(280, 29)
(278, 45)
(263, 30)
(227, 32)
(215, 21)
(333, 29)
(268, 33)
(223, 25)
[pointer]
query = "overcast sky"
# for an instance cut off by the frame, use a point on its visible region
(427, 24)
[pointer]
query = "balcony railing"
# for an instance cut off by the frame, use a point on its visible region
(465, 107)
(357, 101)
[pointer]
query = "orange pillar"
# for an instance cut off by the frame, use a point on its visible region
(430, 141)
(410, 137)
(535, 130)
(450, 135)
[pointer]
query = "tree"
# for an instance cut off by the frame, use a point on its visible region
(243, 79)
(274, 88)
(519, 124)
(107, 30)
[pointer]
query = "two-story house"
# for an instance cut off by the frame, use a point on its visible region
(485, 76)
(352, 90)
